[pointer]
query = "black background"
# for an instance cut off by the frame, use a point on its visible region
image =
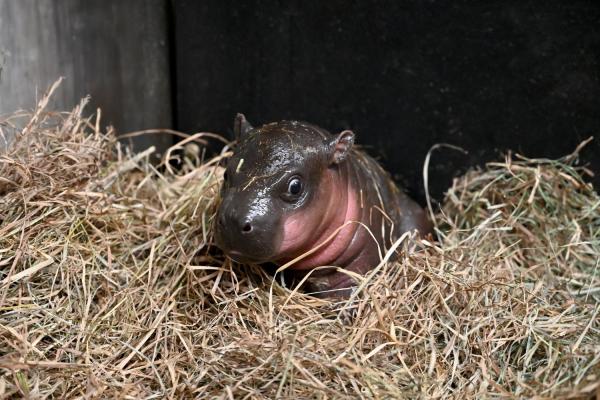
(486, 76)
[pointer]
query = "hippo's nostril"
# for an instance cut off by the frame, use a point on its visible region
(247, 228)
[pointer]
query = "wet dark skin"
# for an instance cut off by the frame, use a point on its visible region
(291, 187)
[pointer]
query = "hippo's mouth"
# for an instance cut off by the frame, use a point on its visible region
(242, 258)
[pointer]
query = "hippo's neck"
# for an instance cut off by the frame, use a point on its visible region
(342, 238)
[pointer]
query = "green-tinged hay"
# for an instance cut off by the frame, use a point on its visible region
(110, 287)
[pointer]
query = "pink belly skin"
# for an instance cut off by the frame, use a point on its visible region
(335, 205)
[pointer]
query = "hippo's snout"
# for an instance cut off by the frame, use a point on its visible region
(244, 235)
(230, 221)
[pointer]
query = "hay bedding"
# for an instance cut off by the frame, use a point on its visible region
(110, 288)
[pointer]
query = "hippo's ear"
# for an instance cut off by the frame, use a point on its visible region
(241, 126)
(340, 146)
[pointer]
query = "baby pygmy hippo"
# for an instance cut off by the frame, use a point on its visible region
(290, 185)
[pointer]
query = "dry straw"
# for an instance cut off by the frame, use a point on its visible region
(110, 287)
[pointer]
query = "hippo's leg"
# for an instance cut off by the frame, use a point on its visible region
(339, 284)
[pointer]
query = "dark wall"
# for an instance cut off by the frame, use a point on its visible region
(518, 75)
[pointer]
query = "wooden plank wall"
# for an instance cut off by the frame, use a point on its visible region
(116, 51)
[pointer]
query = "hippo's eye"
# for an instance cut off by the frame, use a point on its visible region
(294, 191)
(295, 186)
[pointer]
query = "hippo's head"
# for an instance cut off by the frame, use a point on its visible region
(275, 188)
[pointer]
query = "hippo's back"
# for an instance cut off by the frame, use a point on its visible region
(405, 213)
